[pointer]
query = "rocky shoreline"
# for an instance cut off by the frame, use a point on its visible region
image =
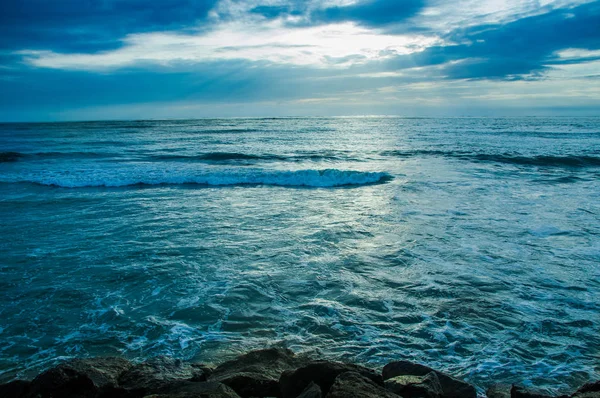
(273, 372)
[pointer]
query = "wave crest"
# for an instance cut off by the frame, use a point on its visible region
(576, 161)
(217, 157)
(6, 157)
(122, 178)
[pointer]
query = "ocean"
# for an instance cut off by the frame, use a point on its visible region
(471, 245)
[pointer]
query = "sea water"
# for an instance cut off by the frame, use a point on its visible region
(469, 245)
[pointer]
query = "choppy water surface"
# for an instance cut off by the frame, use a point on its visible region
(471, 245)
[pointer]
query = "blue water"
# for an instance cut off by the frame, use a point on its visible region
(470, 245)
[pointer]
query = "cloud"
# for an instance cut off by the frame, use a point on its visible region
(296, 57)
(92, 25)
(370, 13)
(332, 45)
(272, 12)
(513, 50)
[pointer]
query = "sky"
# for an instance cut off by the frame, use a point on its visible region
(146, 59)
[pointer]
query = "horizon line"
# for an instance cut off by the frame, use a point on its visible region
(292, 117)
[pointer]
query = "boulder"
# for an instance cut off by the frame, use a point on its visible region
(322, 373)
(499, 391)
(451, 387)
(312, 391)
(522, 392)
(15, 389)
(153, 375)
(427, 386)
(589, 390)
(256, 374)
(79, 378)
(353, 384)
(188, 389)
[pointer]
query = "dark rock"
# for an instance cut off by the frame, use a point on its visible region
(79, 378)
(188, 389)
(353, 384)
(521, 392)
(322, 373)
(499, 391)
(15, 389)
(427, 386)
(312, 391)
(452, 388)
(153, 375)
(257, 373)
(589, 390)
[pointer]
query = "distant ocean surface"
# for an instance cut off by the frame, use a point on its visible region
(471, 245)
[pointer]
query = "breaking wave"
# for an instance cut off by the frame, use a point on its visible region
(122, 178)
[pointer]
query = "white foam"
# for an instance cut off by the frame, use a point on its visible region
(116, 177)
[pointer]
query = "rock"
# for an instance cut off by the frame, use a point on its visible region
(353, 384)
(188, 389)
(79, 378)
(15, 389)
(522, 392)
(427, 386)
(257, 373)
(451, 387)
(499, 391)
(153, 375)
(312, 391)
(589, 390)
(322, 373)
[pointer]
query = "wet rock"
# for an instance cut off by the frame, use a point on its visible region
(15, 389)
(322, 373)
(312, 391)
(257, 373)
(499, 391)
(427, 386)
(79, 378)
(187, 389)
(451, 387)
(157, 373)
(353, 384)
(589, 390)
(522, 392)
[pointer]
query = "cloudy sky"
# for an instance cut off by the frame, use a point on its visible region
(124, 59)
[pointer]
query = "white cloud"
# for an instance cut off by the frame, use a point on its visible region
(273, 42)
(577, 53)
(576, 71)
(240, 34)
(444, 16)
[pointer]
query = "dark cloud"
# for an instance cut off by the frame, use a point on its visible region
(274, 11)
(512, 50)
(90, 25)
(371, 12)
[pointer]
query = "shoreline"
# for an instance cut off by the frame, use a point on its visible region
(271, 372)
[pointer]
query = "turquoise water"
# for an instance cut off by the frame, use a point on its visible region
(470, 245)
